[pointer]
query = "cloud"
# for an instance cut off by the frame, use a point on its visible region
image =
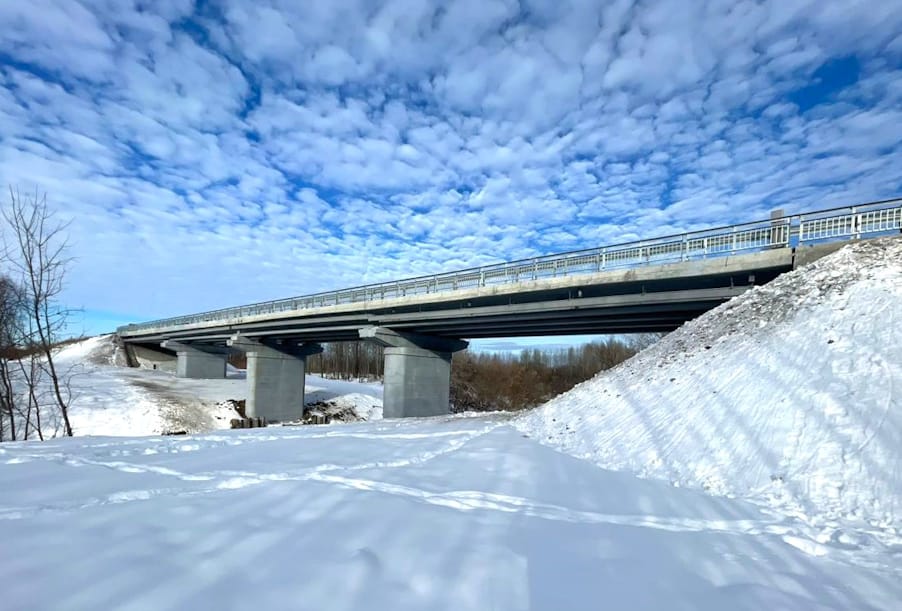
(215, 154)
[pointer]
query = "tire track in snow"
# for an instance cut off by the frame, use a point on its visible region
(226, 479)
(469, 500)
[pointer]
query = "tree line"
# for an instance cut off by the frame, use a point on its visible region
(492, 381)
(35, 392)
(348, 361)
(487, 382)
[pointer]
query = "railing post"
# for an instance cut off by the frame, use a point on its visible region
(775, 218)
(604, 258)
(856, 223)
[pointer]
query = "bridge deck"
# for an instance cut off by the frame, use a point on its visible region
(657, 298)
(651, 285)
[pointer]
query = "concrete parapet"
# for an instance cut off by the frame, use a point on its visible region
(198, 361)
(417, 372)
(275, 377)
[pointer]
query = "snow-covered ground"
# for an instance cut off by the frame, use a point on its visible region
(790, 395)
(767, 434)
(447, 513)
(116, 400)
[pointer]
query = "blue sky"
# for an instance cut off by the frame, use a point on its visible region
(217, 153)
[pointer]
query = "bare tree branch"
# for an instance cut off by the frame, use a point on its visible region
(31, 318)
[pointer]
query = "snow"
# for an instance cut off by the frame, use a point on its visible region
(444, 513)
(103, 403)
(790, 395)
(98, 348)
(364, 398)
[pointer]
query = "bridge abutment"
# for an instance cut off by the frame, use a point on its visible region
(417, 372)
(275, 377)
(194, 361)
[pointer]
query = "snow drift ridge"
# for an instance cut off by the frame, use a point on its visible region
(790, 393)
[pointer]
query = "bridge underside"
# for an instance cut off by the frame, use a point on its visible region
(630, 307)
(421, 336)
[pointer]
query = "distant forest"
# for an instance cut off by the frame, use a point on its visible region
(482, 381)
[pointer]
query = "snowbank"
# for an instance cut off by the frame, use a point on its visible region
(790, 393)
(364, 398)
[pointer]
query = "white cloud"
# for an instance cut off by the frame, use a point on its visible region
(267, 149)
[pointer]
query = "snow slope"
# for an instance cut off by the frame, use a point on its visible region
(103, 402)
(790, 394)
(446, 513)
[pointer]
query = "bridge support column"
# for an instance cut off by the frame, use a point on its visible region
(417, 372)
(198, 361)
(275, 377)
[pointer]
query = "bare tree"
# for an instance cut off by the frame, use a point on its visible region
(36, 255)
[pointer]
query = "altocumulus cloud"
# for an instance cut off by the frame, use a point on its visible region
(213, 153)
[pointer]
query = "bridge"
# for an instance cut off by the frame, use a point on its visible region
(643, 286)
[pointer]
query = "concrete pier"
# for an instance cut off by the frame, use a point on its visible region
(417, 372)
(275, 377)
(197, 360)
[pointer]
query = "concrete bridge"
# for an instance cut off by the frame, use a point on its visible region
(644, 286)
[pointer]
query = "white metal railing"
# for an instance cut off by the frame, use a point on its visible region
(853, 224)
(833, 224)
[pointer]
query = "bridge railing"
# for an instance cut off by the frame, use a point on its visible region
(857, 221)
(838, 223)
